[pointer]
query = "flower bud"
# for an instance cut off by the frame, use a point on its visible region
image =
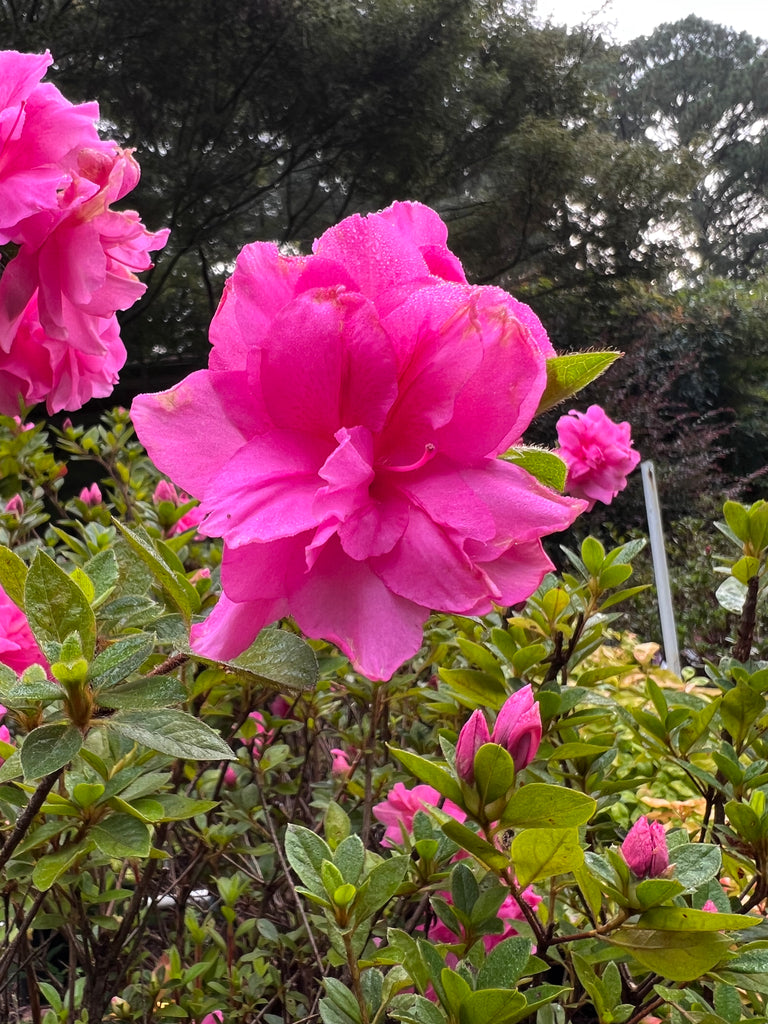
(518, 727)
(91, 495)
(645, 849)
(474, 733)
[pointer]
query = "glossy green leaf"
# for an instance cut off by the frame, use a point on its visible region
(280, 659)
(687, 919)
(122, 835)
(175, 585)
(120, 659)
(56, 607)
(13, 575)
(547, 467)
(480, 849)
(48, 748)
(429, 772)
(139, 694)
(538, 805)
(172, 732)
(52, 866)
(543, 852)
(306, 852)
(505, 963)
(675, 955)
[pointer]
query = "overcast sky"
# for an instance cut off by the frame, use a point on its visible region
(630, 18)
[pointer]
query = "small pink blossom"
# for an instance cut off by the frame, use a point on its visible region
(399, 808)
(474, 733)
(710, 907)
(217, 1017)
(344, 441)
(230, 777)
(518, 727)
(645, 849)
(598, 453)
(18, 647)
(91, 495)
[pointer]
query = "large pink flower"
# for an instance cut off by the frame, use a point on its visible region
(399, 808)
(18, 647)
(39, 129)
(344, 441)
(598, 453)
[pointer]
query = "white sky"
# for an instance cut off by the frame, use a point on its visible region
(628, 19)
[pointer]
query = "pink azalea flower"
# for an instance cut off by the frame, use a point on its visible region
(598, 453)
(508, 912)
(91, 495)
(217, 1017)
(645, 849)
(39, 128)
(344, 442)
(710, 907)
(40, 368)
(18, 647)
(399, 808)
(82, 266)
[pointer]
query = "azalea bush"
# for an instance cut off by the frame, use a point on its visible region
(298, 721)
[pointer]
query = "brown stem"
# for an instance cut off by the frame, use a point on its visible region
(26, 817)
(743, 646)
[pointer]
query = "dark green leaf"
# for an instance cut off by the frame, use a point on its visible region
(172, 732)
(48, 748)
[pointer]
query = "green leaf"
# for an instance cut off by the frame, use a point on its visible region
(172, 732)
(414, 1009)
(52, 866)
(544, 852)
(278, 658)
(120, 659)
(739, 709)
(505, 964)
(349, 857)
(491, 1006)
(686, 919)
(429, 772)
(380, 886)
(86, 794)
(175, 585)
(122, 835)
(103, 573)
(25, 694)
(548, 468)
(538, 805)
(306, 852)
(653, 891)
(675, 955)
(568, 374)
(11, 768)
(695, 864)
(48, 748)
(480, 849)
(337, 827)
(56, 607)
(140, 694)
(13, 575)
(494, 773)
(177, 807)
(737, 517)
(465, 891)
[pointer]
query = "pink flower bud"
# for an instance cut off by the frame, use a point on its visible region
(15, 506)
(280, 707)
(474, 733)
(518, 727)
(230, 778)
(340, 766)
(645, 849)
(91, 495)
(217, 1017)
(165, 492)
(710, 907)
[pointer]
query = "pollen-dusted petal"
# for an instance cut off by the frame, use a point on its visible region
(327, 363)
(343, 601)
(187, 431)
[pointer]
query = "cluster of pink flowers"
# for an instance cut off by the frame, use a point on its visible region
(344, 441)
(18, 647)
(598, 453)
(517, 729)
(76, 258)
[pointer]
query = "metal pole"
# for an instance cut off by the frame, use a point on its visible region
(660, 570)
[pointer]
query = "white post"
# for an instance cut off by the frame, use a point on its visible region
(660, 570)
